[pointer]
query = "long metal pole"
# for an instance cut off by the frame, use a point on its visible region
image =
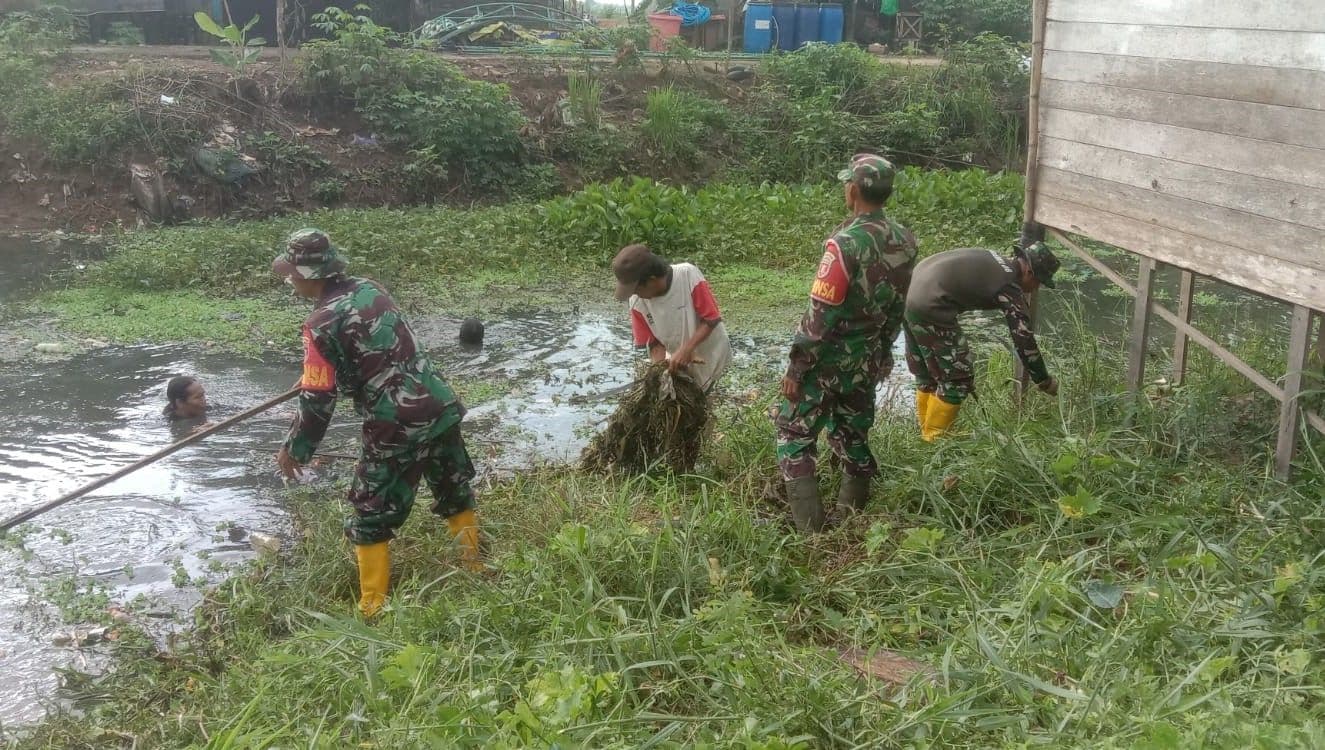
(190, 440)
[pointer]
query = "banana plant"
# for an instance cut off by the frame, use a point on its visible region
(241, 50)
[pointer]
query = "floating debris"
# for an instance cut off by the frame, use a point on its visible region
(660, 419)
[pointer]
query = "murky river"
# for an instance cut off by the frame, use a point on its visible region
(158, 534)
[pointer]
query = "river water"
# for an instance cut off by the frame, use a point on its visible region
(155, 537)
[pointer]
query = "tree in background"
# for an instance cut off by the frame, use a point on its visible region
(949, 21)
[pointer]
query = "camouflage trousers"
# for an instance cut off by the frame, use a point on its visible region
(382, 493)
(847, 413)
(939, 358)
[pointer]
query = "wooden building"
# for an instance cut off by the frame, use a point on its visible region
(1193, 135)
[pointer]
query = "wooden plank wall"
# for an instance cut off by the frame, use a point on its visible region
(1191, 132)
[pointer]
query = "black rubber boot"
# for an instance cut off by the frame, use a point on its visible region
(806, 510)
(853, 495)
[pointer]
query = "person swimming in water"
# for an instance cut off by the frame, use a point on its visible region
(185, 398)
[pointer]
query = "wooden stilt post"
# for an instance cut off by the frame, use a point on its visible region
(1320, 344)
(1136, 364)
(1186, 286)
(1298, 344)
(1030, 231)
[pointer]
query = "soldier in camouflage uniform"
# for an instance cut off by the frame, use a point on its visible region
(957, 281)
(843, 346)
(357, 342)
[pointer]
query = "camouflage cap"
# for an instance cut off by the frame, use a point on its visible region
(309, 255)
(1044, 264)
(869, 170)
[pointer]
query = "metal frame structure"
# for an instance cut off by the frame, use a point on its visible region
(449, 26)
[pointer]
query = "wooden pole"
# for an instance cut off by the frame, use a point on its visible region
(1136, 362)
(1186, 286)
(1320, 344)
(1298, 344)
(190, 440)
(1209, 344)
(280, 30)
(1030, 231)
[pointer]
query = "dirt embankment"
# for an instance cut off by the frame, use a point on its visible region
(305, 156)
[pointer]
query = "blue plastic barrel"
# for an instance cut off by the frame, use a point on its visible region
(758, 27)
(784, 26)
(830, 23)
(807, 24)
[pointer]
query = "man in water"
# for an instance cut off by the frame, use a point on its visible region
(843, 346)
(673, 314)
(358, 342)
(948, 284)
(185, 398)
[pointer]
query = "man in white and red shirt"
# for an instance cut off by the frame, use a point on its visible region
(673, 313)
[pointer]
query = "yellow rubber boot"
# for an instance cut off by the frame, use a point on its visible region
(938, 419)
(464, 527)
(923, 400)
(374, 576)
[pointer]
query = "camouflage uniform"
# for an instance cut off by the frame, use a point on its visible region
(843, 346)
(948, 284)
(358, 342)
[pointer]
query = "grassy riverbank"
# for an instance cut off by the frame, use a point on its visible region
(1084, 573)
(1091, 571)
(211, 282)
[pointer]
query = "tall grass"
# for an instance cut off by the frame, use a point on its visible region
(585, 94)
(1075, 574)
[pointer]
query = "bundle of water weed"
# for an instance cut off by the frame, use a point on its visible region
(660, 420)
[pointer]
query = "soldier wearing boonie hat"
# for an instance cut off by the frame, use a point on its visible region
(358, 342)
(950, 283)
(843, 346)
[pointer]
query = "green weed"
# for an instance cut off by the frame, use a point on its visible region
(585, 94)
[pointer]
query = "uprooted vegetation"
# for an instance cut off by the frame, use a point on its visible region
(357, 119)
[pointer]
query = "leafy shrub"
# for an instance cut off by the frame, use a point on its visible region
(603, 218)
(358, 61)
(852, 75)
(594, 153)
(124, 33)
(329, 190)
(79, 124)
(281, 155)
(424, 175)
(981, 94)
(470, 128)
(684, 126)
(805, 139)
(19, 74)
(959, 20)
(537, 182)
(48, 29)
(948, 209)
(913, 129)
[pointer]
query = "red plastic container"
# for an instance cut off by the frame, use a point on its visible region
(665, 26)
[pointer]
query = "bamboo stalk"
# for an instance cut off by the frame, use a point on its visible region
(173, 447)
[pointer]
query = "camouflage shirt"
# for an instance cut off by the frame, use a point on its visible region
(357, 342)
(857, 299)
(950, 283)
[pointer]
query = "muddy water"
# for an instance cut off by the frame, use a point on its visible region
(24, 265)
